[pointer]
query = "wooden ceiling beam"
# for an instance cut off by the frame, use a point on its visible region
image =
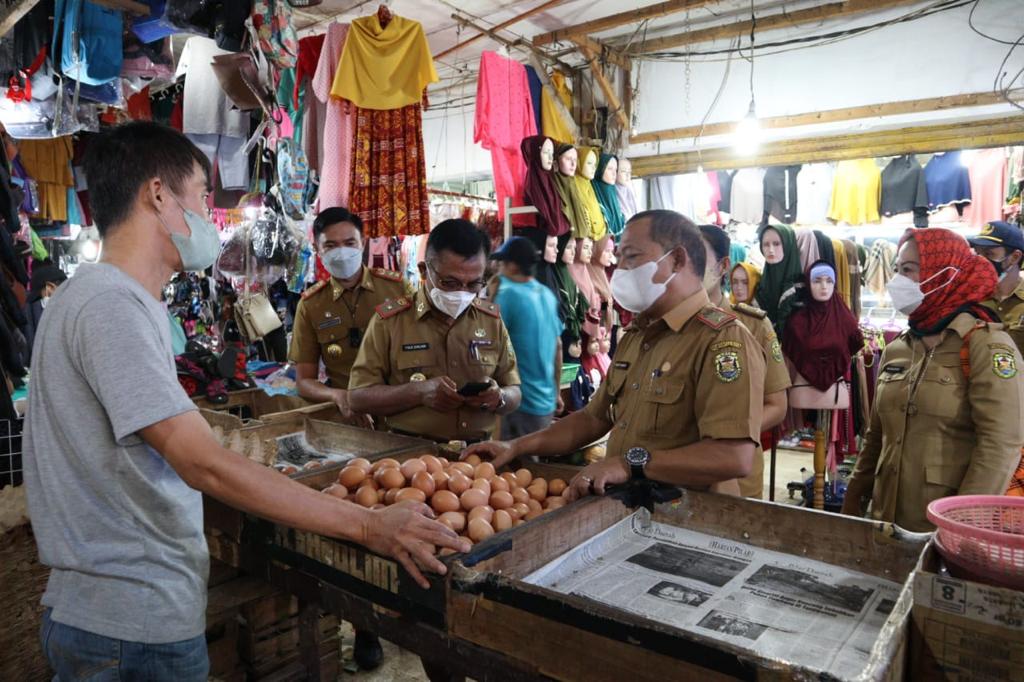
(503, 25)
(831, 10)
(621, 19)
(993, 132)
(604, 52)
(911, 106)
(614, 103)
(11, 14)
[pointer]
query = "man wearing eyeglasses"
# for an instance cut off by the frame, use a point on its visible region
(439, 364)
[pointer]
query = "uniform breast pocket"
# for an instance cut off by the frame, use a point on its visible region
(417, 366)
(943, 391)
(664, 409)
(891, 390)
(484, 364)
(331, 335)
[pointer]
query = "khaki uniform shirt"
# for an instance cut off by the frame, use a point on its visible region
(1011, 312)
(327, 315)
(776, 379)
(409, 340)
(696, 373)
(933, 432)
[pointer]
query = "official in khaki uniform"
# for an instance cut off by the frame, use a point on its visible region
(420, 351)
(948, 416)
(333, 315)
(683, 397)
(777, 378)
(1002, 244)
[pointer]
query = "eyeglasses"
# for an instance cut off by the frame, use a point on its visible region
(451, 284)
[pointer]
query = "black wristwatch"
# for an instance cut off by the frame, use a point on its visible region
(637, 459)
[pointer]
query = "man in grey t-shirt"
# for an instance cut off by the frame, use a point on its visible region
(116, 455)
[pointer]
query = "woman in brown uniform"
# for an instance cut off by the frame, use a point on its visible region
(948, 417)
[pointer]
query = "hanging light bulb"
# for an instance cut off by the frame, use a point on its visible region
(747, 137)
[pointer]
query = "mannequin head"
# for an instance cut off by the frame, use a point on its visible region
(625, 175)
(584, 250)
(589, 165)
(551, 250)
(547, 155)
(569, 252)
(575, 349)
(606, 342)
(606, 252)
(771, 246)
(611, 172)
(568, 157)
(822, 279)
(740, 282)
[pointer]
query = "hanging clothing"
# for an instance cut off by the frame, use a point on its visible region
(48, 162)
(627, 200)
(904, 189)
(856, 192)
(594, 226)
(880, 266)
(661, 193)
(808, 245)
(206, 109)
(725, 190)
(384, 68)
(536, 96)
(540, 190)
(608, 198)
(336, 177)
(554, 124)
(504, 117)
(568, 192)
(814, 187)
(949, 183)
(780, 193)
(821, 336)
(747, 196)
(987, 170)
(853, 262)
(693, 196)
(825, 250)
(777, 290)
(753, 278)
(389, 174)
(302, 98)
(842, 270)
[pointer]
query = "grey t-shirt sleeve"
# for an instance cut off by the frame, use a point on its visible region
(125, 356)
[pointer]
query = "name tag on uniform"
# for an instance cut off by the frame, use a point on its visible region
(621, 365)
(416, 346)
(333, 322)
(894, 369)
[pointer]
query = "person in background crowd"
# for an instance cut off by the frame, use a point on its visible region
(948, 416)
(530, 313)
(46, 277)
(683, 397)
(776, 379)
(743, 281)
(117, 455)
(333, 315)
(1002, 245)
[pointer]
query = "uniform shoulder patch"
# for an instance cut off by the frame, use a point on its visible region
(750, 310)
(487, 307)
(715, 318)
(389, 275)
(313, 289)
(1004, 365)
(392, 307)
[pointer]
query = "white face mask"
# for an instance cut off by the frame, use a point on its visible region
(44, 300)
(343, 262)
(906, 294)
(451, 303)
(635, 289)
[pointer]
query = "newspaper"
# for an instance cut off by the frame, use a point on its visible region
(780, 606)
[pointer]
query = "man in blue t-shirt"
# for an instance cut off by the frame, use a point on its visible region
(530, 312)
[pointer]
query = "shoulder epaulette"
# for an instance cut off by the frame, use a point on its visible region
(715, 318)
(313, 289)
(389, 275)
(487, 307)
(748, 309)
(392, 307)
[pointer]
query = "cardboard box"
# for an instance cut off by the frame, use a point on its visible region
(964, 630)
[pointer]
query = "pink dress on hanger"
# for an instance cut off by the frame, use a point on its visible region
(339, 124)
(987, 171)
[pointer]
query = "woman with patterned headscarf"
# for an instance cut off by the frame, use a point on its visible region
(948, 416)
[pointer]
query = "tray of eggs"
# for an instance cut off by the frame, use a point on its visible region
(470, 497)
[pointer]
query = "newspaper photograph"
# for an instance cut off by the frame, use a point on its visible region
(777, 605)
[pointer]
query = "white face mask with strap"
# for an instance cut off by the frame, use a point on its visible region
(907, 295)
(635, 289)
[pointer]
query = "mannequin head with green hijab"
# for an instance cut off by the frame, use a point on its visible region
(608, 196)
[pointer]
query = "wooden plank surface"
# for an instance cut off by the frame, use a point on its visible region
(632, 16)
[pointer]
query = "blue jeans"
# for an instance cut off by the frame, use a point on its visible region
(76, 655)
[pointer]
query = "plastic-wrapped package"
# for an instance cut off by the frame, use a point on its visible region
(273, 241)
(231, 261)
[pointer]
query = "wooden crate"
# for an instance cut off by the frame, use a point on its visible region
(489, 604)
(253, 403)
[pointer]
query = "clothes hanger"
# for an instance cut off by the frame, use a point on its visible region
(384, 16)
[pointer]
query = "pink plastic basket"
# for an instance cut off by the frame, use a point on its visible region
(982, 536)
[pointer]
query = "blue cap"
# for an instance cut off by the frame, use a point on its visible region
(518, 250)
(1000, 233)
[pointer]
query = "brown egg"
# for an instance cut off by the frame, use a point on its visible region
(337, 490)
(513, 512)
(473, 498)
(440, 479)
(484, 470)
(411, 467)
(520, 495)
(390, 478)
(425, 482)
(455, 520)
(485, 512)
(458, 483)
(312, 464)
(381, 494)
(463, 467)
(511, 479)
(534, 505)
(410, 495)
(483, 484)
(533, 514)
(502, 500)
(384, 464)
(433, 463)
(480, 530)
(289, 469)
(524, 477)
(445, 501)
(389, 496)
(502, 520)
(556, 486)
(370, 482)
(517, 522)
(520, 508)
(360, 462)
(499, 483)
(472, 460)
(366, 496)
(554, 502)
(538, 489)
(351, 476)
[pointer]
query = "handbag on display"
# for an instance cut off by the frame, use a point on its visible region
(255, 316)
(239, 77)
